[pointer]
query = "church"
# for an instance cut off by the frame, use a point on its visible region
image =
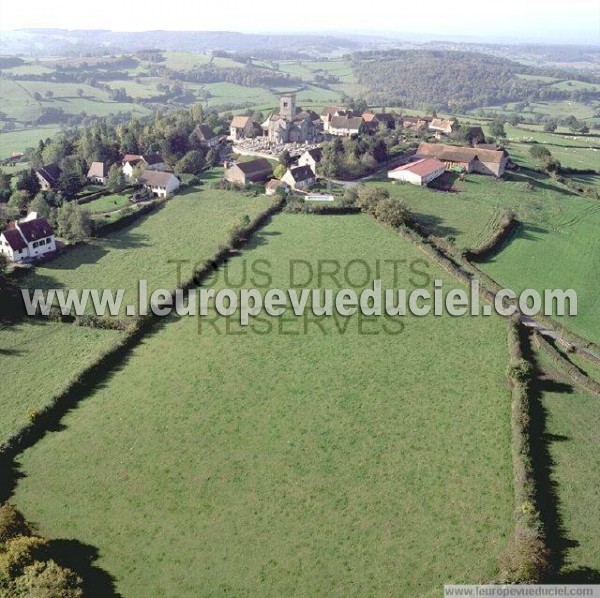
(292, 125)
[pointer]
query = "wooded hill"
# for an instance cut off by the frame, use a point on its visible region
(454, 81)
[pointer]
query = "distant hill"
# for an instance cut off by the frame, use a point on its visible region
(456, 81)
(64, 42)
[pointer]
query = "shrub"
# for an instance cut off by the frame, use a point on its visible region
(20, 552)
(49, 580)
(520, 370)
(12, 523)
(391, 212)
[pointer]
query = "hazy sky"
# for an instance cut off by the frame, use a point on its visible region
(563, 20)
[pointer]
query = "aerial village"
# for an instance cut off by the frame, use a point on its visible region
(250, 154)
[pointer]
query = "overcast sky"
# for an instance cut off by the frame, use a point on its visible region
(535, 20)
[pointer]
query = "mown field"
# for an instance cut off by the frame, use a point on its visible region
(573, 441)
(148, 248)
(40, 359)
(258, 464)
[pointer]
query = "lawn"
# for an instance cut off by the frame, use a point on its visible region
(324, 463)
(108, 203)
(573, 433)
(189, 227)
(38, 360)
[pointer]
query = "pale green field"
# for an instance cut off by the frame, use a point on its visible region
(282, 464)
(40, 359)
(26, 138)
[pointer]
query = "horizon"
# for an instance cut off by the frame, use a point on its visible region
(534, 22)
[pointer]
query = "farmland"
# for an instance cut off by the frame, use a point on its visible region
(572, 425)
(279, 461)
(545, 252)
(147, 248)
(40, 359)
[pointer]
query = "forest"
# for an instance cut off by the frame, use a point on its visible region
(456, 81)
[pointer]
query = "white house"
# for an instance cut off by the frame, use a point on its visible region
(311, 158)
(300, 177)
(159, 183)
(345, 126)
(420, 172)
(28, 238)
(146, 161)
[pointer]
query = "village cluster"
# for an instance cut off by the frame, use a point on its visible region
(300, 132)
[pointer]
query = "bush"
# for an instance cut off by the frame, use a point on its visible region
(391, 212)
(368, 197)
(19, 552)
(520, 370)
(12, 523)
(49, 580)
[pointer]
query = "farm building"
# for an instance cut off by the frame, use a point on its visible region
(146, 161)
(28, 238)
(420, 172)
(159, 183)
(207, 137)
(441, 125)
(415, 123)
(98, 173)
(274, 185)
(240, 128)
(245, 173)
(300, 177)
(311, 158)
(469, 159)
(48, 176)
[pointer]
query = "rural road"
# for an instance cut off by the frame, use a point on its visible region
(543, 330)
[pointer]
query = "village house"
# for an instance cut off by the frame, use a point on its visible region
(159, 183)
(374, 120)
(301, 178)
(48, 176)
(241, 127)
(468, 159)
(415, 123)
(252, 172)
(31, 237)
(274, 185)
(311, 158)
(441, 125)
(420, 172)
(98, 173)
(207, 137)
(145, 161)
(291, 125)
(345, 126)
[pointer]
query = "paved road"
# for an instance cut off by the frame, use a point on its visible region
(399, 161)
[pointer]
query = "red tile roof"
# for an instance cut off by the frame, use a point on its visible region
(422, 167)
(98, 169)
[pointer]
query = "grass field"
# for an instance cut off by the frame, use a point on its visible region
(143, 250)
(258, 464)
(38, 360)
(572, 431)
(557, 246)
(18, 141)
